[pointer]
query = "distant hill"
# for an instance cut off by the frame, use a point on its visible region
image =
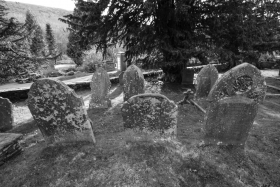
(43, 15)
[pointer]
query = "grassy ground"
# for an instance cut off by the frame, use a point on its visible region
(127, 158)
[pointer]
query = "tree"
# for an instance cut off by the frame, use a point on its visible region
(50, 40)
(169, 32)
(37, 43)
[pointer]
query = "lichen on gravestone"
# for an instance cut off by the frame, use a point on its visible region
(243, 80)
(59, 113)
(134, 82)
(150, 112)
(6, 115)
(206, 78)
(100, 86)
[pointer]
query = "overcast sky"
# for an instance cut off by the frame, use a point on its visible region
(64, 4)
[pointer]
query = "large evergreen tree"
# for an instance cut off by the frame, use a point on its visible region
(169, 32)
(37, 43)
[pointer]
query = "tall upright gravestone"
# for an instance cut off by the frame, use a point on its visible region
(206, 78)
(100, 86)
(133, 81)
(59, 113)
(6, 114)
(150, 112)
(233, 106)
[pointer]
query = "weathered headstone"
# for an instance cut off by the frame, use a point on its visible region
(150, 112)
(206, 78)
(59, 113)
(9, 146)
(229, 121)
(100, 86)
(244, 80)
(6, 115)
(121, 78)
(134, 82)
(187, 77)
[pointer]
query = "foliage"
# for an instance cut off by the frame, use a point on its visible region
(169, 32)
(50, 40)
(37, 46)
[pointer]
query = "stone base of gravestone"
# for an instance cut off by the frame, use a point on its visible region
(6, 115)
(9, 146)
(229, 121)
(59, 112)
(150, 113)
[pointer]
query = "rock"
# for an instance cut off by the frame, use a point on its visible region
(100, 87)
(9, 146)
(244, 80)
(70, 73)
(133, 82)
(6, 115)
(59, 113)
(229, 121)
(206, 78)
(150, 112)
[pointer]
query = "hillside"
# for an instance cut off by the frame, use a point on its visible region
(43, 15)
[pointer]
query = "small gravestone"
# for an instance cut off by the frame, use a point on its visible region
(59, 113)
(229, 121)
(150, 112)
(121, 78)
(244, 80)
(134, 82)
(206, 78)
(6, 115)
(9, 146)
(100, 86)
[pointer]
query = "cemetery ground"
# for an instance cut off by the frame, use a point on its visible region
(129, 158)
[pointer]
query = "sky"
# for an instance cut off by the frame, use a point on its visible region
(63, 4)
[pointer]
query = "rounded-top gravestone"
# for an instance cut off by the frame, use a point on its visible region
(244, 80)
(59, 113)
(6, 115)
(150, 112)
(134, 82)
(206, 78)
(100, 86)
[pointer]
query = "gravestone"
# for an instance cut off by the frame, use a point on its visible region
(100, 86)
(121, 78)
(206, 78)
(59, 113)
(6, 115)
(244, 80)
(150, 112)
(133, 81)
(9, 146)
(187, 77)
(229, 121)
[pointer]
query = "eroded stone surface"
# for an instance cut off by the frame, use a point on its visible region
(59, 113)
(244, 80)
(229, 121)
(206, 78)
(134, 82)
(100, 86)
(150, 112)
(6, 115)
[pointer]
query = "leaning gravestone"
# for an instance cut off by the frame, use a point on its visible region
(229, 121)
(100, 86)
(133, 81)
(6, 115)
(206, 78)
(244, 80)
(59, 113)
(150, 112)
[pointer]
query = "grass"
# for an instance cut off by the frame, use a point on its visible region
(130, 158)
